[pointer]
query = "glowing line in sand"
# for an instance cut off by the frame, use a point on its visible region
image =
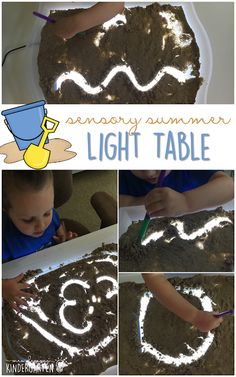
(79, 79)
(66, 303)
(209, 226)
(107, 259)
(110, 292)
(71, 349)
(153, 237)
(115, 21)
(179, 225)
(35, 308)
(206, 303)
(176, 30)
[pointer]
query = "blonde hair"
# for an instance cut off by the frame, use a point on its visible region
(21, 180)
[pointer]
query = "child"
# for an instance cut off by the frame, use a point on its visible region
(67, 27)
(181, 191)
(30, 223)
(173, 301)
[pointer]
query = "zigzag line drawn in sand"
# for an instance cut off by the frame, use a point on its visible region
(79, 79)
(179, 225)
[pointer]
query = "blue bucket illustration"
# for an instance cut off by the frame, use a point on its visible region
(24, 123)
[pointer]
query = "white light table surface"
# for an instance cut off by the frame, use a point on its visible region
(65, 252)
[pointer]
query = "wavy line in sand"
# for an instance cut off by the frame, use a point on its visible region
(79, 79)
(219, 222)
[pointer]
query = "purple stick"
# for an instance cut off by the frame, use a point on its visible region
(230, 311)
(48, 19)
(158, 184)
(160, 178)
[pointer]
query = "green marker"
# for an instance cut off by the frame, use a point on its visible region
(144, 227)
(146, 221)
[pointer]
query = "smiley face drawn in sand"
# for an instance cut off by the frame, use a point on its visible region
(181, 359)
(88, 324)
(74, 316)
(145, 55)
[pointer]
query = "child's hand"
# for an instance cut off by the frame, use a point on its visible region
(165, 202)
(64, 27)
(63, 235)
(12, 291)
(206, 321)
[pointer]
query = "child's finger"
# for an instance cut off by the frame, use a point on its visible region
(19, 277)
(14, 306)
(162, 212)
(69, 236)
(24, 286)
(57, 239)
(21, 301)
(218, 319)
(154, 208)
(26, 294)
(63, 225)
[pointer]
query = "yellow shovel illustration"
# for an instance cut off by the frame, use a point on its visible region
(36, 156)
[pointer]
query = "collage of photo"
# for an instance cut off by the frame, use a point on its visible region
(114, 271)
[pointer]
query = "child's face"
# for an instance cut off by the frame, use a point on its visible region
(31, 211)
(150, 176)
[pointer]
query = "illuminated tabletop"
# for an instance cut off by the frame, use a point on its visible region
(51, 258)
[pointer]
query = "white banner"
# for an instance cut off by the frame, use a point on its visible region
(121, 136)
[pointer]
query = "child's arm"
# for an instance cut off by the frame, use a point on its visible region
(128, 200)
(173, 301)
(12, 291)
(67, 27)
(63, 235)
(167, 202)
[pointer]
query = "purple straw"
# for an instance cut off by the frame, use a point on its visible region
(158, 184)
(161, 178)
(229, 311)
(40, 15)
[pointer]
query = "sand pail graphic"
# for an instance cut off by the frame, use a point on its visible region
(24, 122)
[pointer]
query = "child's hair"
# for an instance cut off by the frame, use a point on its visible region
(21, 180)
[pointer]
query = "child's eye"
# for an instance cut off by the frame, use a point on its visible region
(27, 221)
(47, 214)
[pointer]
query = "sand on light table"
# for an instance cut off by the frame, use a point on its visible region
(145, 55)
(175, 346)
(202, 241)
(73, 320)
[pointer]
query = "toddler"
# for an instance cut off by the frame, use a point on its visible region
(181, 191)
(30, 223)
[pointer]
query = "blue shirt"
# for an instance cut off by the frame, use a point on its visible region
(178, 180)
(16, 244)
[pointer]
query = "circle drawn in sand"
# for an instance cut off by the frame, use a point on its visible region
(197, 353)
(57, 147)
